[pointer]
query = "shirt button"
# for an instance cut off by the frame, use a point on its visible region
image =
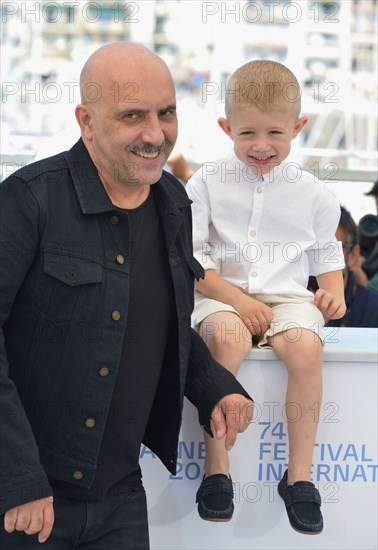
(90, 422)
(116, 315)
(259, 189)
(104, 371)
(114, 220)
(252, 233)
(254, 274)
(120, 259)
(78, 475)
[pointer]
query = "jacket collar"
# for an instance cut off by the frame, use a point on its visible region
(94, 199)
(170, 199)
(92, 196)
(170, 194)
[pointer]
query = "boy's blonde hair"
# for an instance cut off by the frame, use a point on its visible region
(268, 85)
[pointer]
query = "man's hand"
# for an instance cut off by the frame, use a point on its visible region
(32, 517)
(231, 415)
(330, 306)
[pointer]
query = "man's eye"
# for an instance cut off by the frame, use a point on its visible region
(167, 114)
(129, 116)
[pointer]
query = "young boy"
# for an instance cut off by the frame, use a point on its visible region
(261, 226)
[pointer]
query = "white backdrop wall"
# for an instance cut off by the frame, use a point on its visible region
(344, 467)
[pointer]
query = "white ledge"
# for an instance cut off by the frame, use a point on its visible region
(340, 344)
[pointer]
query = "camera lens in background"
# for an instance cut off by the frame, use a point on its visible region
(368, 239)
(368, 231)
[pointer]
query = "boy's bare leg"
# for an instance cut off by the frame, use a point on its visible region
(229, 341)
(301, 351)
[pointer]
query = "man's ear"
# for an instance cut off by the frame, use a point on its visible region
(84, 119)
(302, 121)
(225, 125)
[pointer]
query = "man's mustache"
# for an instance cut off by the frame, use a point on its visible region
(148, 147)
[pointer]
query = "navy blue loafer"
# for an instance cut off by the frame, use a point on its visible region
(215, 498)
(302, 501)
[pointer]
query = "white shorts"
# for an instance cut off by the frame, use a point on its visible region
(289, 312)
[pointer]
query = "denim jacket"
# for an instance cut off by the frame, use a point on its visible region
(64, 295)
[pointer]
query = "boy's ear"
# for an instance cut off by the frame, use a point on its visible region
(225, 125)
(302, 121)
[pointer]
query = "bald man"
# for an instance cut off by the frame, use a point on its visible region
(96, 349)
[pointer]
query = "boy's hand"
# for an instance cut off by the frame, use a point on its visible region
(255, 315)
(32, 517)
(330, 306)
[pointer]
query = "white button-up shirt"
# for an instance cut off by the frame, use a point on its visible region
(264, 234)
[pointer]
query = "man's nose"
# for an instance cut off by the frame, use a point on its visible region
(152, 131)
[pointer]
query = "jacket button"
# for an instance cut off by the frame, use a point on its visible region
(78, 475)
(114, 220)
(90, 422)
(116, 315)
(120, 259)
(104, 371)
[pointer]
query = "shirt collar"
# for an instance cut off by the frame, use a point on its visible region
(266, 179)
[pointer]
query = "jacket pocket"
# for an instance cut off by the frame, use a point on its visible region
(72, 289)
(72, 271)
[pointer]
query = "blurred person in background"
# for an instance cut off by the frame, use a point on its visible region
(374, 193)
(368, 240)
(179, 166)
(361, 301)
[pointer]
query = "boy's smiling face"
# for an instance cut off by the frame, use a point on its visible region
(261, 139)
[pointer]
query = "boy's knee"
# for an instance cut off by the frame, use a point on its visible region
(303, 351)
(309, 358)
(231, 338)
